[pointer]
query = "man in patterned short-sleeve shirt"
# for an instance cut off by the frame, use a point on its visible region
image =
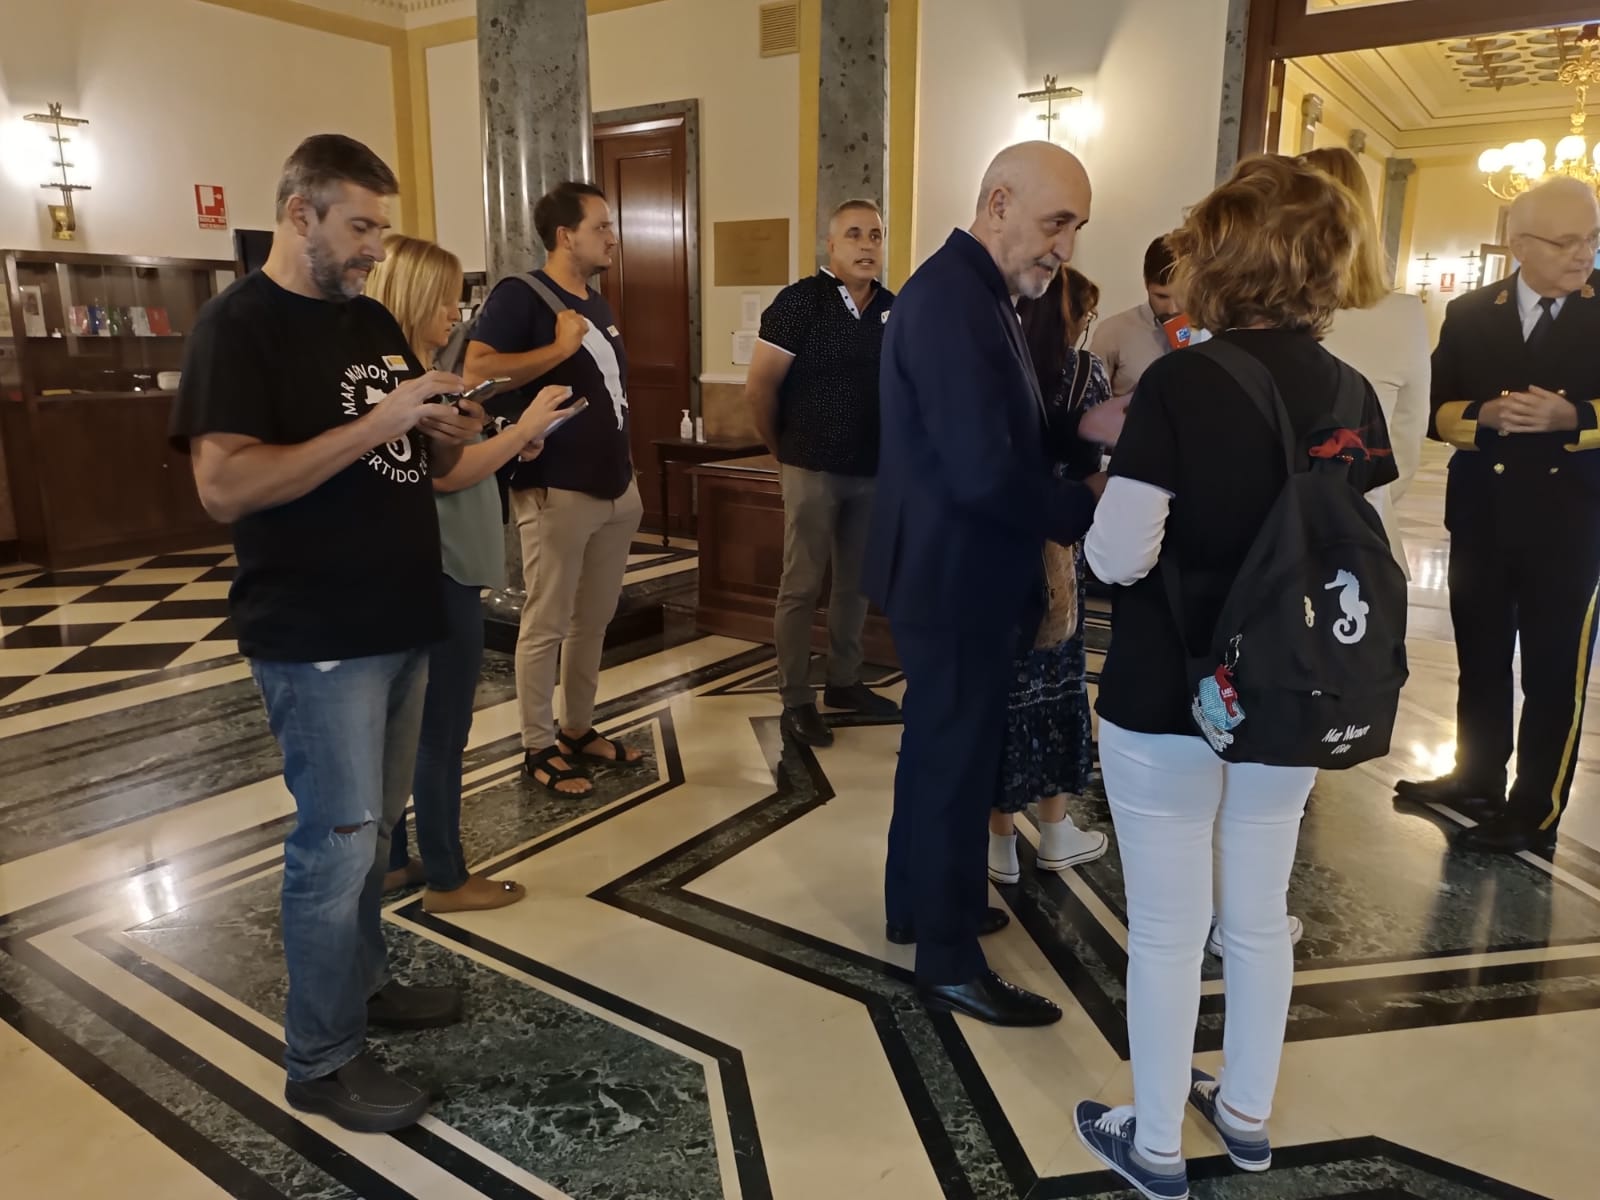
(813, 385)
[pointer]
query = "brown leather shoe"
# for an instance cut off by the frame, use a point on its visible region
(477, 894)
(407, 876)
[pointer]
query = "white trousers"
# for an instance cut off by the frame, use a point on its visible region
(1173, 801)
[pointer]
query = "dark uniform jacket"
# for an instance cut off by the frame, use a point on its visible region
(1482, 355)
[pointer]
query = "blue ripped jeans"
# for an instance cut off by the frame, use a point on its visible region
(348, 732)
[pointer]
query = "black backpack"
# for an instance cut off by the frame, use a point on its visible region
(1308, 656)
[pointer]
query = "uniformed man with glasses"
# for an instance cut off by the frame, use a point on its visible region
(1516, 389)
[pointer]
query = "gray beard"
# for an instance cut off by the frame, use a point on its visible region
(329, 274)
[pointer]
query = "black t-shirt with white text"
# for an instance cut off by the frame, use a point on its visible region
(1193, 432)
(352, 568)
(590, 452)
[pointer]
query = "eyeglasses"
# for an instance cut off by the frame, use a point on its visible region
(1572, 244)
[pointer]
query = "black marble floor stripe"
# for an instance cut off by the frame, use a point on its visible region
(1359, 1168)
(750, 1161)
(205, 1156)
(1002, 1136)
(111, 688)
(497, 751)
(81, 901)
(442, 1153)
(951, 1133)
(349, 1171)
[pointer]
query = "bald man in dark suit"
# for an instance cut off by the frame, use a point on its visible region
(966, 499)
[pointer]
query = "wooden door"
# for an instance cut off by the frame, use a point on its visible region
(644, 171)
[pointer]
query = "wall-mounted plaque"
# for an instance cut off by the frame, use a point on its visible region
(751, 253)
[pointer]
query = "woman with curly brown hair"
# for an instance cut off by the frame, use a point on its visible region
(1263, 264)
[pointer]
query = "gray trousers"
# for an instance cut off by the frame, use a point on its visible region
(825, 520)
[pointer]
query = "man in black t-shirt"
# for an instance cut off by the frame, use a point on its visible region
(309, 423)
(813, 384)
(577, 505)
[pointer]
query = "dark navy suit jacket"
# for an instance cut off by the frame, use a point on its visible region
(966, 493)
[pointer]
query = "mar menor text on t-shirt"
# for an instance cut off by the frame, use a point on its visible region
(351, 568)
(589, 453)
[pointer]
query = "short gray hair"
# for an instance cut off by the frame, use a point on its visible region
(1557, 187)
(324, 161)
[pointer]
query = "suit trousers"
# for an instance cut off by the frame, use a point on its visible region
(1524, 564)
(947, 780)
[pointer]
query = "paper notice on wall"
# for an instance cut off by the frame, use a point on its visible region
(750, 310)
(744, 347)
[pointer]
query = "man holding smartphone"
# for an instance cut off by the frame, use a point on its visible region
(313, 433)
(577, 505)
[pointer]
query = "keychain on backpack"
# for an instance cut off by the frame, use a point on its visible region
(1216, 708)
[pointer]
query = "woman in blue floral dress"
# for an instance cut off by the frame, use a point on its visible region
(1049, 752)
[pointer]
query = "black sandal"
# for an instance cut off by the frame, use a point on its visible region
(533, 764)
(578, 747)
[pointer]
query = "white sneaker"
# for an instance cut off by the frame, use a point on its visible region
(1297, 930)
(1063, 845)
(1003, 864)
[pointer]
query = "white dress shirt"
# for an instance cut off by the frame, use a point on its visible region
(1528, 304)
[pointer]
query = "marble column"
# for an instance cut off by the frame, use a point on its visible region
(852, 110)
(538, 131)
(538, 125)
(1232, 88)
(1396, 184)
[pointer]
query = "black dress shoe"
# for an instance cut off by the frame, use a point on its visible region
(994, 920)
(397, 1006)
(1469, 801)
(992, 1000)
(361, 1096)
(805, 725)
(1505, 835)
(859, 698)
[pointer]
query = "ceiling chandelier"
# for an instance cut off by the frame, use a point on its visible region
(1512, 169)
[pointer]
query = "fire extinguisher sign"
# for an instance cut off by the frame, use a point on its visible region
(210, 207)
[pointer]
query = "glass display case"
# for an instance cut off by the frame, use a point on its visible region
(91, 348)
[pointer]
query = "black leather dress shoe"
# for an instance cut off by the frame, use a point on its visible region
(1469, 801)
(1506, 836)
(396, 1006)
(994, 920)
(992, 1000)
(805, 725)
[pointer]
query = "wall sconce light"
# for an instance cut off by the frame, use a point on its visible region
(1050, 95)
(1425, 283)
(63, 221)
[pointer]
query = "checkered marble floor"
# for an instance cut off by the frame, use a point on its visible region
(68, 631)
(65, 630)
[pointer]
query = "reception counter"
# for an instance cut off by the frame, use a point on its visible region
(741, 558)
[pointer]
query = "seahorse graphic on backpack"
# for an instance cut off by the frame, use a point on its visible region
(1353, 626)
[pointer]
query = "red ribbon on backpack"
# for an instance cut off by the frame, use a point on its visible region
(1226, 691)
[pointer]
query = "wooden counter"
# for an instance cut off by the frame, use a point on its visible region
(741, 558)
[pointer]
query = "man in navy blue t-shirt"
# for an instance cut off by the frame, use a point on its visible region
(577, 505)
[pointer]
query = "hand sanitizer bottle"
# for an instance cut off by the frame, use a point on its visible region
(686, 427)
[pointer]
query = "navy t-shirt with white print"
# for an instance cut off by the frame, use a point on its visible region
(590, 452)
(351, 569)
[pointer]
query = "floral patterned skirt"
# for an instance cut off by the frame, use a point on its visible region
(1048, 739)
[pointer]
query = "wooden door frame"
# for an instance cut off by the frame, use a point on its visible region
(1283, 29)
(647, 116)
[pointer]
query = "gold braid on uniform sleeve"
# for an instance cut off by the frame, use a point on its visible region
(1588, 433)
(1455, 426)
